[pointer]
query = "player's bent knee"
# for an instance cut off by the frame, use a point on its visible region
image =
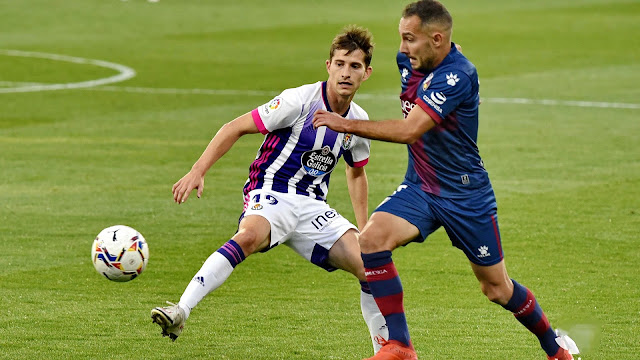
(371, 242)
(250, 241)
(367, 243)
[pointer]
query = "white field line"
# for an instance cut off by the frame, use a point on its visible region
(577, 103)
(124, 72)
(496, 100)
(389, 97)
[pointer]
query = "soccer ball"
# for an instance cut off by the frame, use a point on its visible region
(120, 253)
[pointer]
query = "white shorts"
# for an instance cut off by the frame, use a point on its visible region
(309, 226)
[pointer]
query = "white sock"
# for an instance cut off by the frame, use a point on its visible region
(375, 321)
(213, 273)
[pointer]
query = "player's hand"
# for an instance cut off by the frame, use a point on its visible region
(182, 189)
(331, 120)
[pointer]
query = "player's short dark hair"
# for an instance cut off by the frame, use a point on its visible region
(353, 38)
(430, 12)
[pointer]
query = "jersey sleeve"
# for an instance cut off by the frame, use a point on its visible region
(443, 93)
(281, 112)
(358, 154)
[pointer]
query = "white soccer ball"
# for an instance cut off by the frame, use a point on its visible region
(120, 253)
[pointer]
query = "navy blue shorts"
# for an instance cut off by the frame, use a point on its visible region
(471, 223)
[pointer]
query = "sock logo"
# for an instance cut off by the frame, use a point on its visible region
(199, 279)
(375, 272)
(524, 309)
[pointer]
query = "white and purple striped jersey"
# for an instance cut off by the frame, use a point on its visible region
(294, 157)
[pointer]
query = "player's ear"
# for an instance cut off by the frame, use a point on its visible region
(328, 63)
(367, 73)
(438, 39)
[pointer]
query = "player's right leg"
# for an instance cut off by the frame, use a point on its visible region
(253, 235)
(345, 255)
(401, 218)
(383, 233)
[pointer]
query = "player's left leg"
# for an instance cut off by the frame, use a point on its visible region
(253, 235)
(472, 225)
(345, 255)
(328, 240)
(499, 288)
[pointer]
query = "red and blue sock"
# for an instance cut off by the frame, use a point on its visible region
(386, 289)
(528, 312)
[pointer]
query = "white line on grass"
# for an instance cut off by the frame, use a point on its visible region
(549, 102)
(231, 92)
(596, 104)
(175, 91)
(124, 72)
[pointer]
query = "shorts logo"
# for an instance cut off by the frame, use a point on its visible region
(484, 251)
(324, 219)
(256, 207)
(347, 141)
(318, 162)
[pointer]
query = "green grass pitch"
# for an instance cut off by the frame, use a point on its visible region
(564, 161)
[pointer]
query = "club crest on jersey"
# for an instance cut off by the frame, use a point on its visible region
(427, 82)
(318, 162)
(347, 141)
(272, 105)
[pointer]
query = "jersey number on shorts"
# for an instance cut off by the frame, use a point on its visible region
(400, 188)
(272, 200)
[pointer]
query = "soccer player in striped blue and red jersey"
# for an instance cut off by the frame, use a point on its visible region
(445, 185)
(285, 194)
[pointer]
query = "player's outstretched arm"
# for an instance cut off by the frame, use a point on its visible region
(358, 187)
(405, 131)
(224, 139)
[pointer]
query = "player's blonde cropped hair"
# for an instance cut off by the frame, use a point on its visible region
(430, 12)
(353, 38)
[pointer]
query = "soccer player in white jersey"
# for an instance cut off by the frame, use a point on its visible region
(285, 194)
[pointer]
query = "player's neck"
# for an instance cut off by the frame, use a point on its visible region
(443, 54)
(339, 104)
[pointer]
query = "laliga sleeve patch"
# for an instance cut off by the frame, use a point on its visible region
(272, 105)
(427, 82)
